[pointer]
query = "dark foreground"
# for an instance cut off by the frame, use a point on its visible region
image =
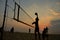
(26, 36)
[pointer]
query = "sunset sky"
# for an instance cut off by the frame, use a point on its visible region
(48, 12)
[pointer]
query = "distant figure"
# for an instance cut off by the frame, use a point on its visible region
(12, 29)
(36, 27)
(45, 34)
(29, 30)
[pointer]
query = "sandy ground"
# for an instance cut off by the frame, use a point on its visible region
(26, 36)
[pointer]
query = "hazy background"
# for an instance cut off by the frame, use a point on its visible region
(48, 11)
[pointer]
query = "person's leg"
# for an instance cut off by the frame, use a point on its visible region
(39, 35)
(35, 36)
(42, 37)
(2, 35)
(47, 37)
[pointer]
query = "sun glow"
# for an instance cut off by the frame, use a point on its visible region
(45, 22)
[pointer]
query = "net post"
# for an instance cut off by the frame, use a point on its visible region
(14, 10)
(18, 13)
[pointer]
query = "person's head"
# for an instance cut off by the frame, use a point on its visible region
(46, 28)
(36, 13)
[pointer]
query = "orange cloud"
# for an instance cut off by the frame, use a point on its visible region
(45, 21)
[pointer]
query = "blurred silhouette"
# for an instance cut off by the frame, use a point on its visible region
(1, 29)
(29, 30)
(45, 34)
(12, 30)
(36, 27)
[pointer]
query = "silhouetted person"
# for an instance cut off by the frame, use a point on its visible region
(29, 30)
(36, 27)
(12, 29)
(29, 33)
(45, 34)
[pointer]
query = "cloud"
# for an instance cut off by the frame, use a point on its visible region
(58, 3)
(52, 12)
(55, 28)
